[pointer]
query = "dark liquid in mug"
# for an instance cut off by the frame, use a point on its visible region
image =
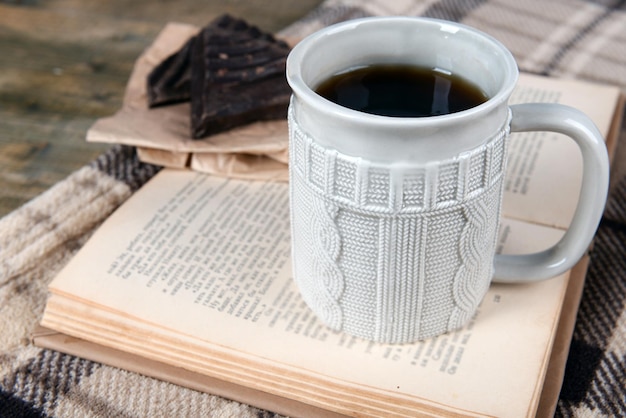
(401, 91)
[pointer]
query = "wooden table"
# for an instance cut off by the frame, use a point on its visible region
(65, 63)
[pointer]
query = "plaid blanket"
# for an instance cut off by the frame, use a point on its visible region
(564, 38)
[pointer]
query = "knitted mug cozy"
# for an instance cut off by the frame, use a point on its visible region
(394, 254)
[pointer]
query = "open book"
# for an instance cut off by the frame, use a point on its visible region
(193, 275)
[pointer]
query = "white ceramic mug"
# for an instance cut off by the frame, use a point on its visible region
(394, 220)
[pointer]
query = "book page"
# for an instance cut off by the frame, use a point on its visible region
(208, 258)
(544, 169)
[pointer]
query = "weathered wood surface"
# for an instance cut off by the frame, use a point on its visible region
(65, 63)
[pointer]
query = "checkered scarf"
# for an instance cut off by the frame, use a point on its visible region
(563, 38)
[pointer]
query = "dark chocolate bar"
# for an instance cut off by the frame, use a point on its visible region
(170, 81)
(238, 77)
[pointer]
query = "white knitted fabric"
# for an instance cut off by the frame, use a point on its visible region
(388, 255)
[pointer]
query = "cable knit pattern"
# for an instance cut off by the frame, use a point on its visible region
(394, 255)
(470, 285)
(328, 246)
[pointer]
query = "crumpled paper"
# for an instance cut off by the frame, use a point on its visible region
(162, 135)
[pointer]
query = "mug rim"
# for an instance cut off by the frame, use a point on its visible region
(302, 90)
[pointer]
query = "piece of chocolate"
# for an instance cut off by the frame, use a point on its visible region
(237, 77)
(170, 81)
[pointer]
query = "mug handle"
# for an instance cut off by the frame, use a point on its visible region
(593, 192)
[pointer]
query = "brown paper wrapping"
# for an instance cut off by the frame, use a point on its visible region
(162, 135)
